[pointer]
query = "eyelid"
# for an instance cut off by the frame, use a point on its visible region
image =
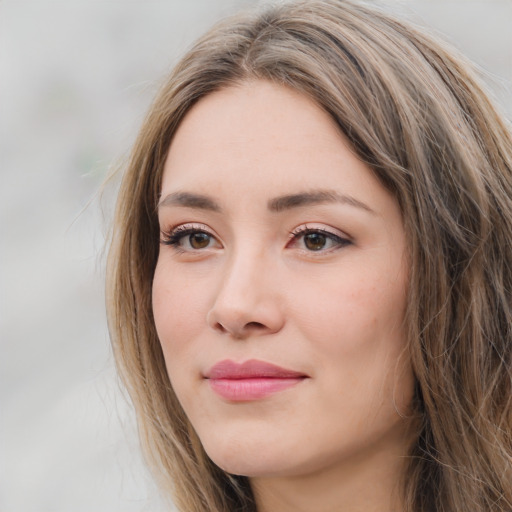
(185, 226)
(313, 227)
(339, 238)
(182, 226)
(172, 235)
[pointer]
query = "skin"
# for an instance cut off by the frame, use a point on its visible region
(240, 286)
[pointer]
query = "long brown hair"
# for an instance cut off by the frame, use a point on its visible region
(414, 111)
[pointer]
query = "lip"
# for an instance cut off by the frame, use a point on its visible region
(250, 380)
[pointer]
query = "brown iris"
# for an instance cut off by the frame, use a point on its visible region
(315, 241)
(199, 240)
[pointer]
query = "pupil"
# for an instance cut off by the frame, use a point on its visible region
(315, 241)
(199, 240)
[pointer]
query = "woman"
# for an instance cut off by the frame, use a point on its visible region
(310, 276)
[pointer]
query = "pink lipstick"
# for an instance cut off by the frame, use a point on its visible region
(251, 380)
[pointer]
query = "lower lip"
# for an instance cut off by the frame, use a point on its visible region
(244, 390)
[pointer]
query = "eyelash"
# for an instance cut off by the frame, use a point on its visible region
(174, 237)
(303, 231)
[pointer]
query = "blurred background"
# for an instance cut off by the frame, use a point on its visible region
(76, 77)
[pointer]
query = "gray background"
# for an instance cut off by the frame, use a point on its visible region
(75, 79)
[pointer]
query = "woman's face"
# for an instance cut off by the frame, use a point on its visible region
(279, 292)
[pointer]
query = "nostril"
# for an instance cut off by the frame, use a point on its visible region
(243, 323)
(220, 327)
(254, 325)
(241, 331)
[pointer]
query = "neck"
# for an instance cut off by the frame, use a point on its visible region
(364, 482)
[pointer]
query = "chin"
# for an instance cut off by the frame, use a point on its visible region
(264, 460)
(248, 459)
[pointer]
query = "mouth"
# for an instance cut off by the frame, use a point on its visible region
(251, 380)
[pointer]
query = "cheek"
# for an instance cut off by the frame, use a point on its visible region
(178, 307)
(353, 311)
(356, 326)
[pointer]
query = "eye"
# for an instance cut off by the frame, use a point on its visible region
(317, 239)
(189, 238)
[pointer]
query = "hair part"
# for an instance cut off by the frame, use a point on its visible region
(415, 113)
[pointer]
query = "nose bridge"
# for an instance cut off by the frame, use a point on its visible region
(244, 276)
(246, 300)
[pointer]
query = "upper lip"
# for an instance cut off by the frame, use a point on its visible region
(250, 369)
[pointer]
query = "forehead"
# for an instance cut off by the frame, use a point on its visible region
(258, 140)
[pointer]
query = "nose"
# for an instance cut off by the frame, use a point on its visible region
(248, 300)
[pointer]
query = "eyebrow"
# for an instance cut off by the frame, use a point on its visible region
(276, 205)
(189, 200)
(314, 197)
